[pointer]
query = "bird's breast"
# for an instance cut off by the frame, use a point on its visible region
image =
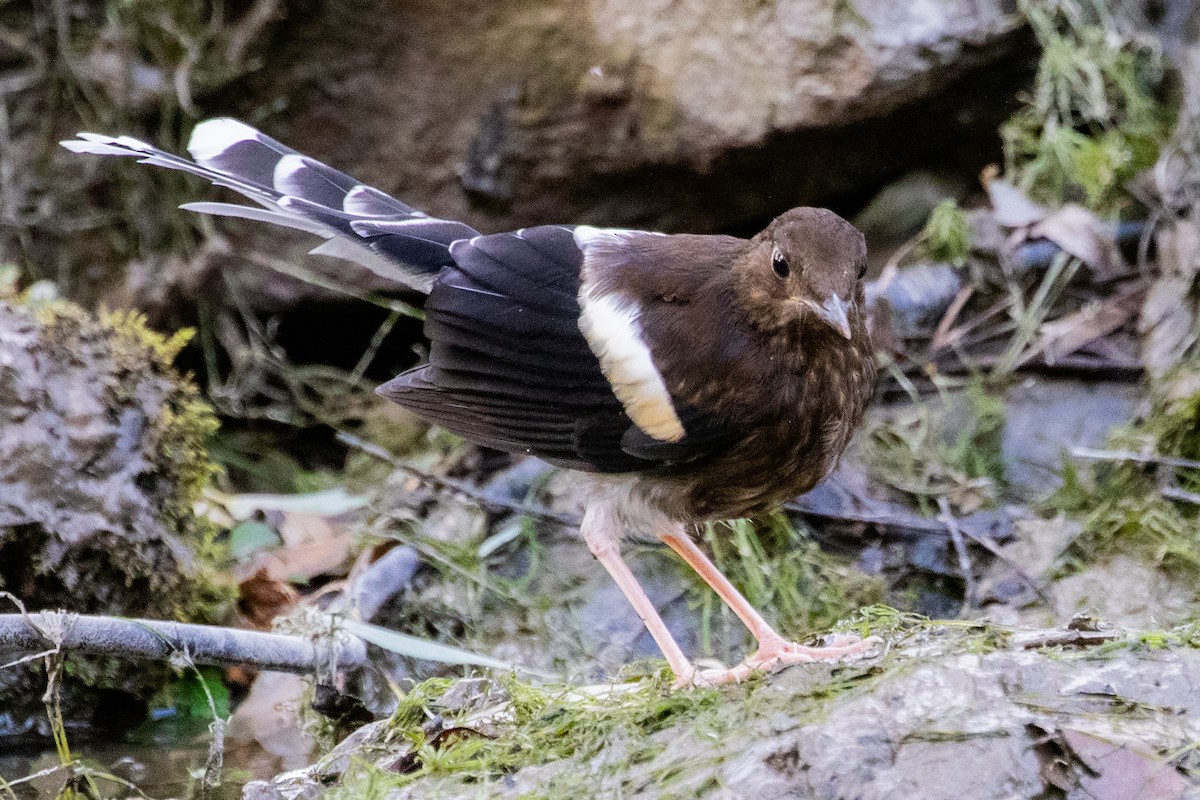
(806, 420)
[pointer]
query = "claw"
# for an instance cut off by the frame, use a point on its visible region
(774, 655)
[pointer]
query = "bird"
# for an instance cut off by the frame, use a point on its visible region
(695, 377)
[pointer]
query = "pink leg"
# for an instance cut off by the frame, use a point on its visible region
(599, 531)
(773, 650)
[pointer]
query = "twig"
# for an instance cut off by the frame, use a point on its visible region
(1182, 495)
(941, 336)
(960, 550)
(1129, 455)
(462, 487)
(911, 523)
(364, 361)
(158, 640)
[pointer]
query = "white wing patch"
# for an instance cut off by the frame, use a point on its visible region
(610, 325)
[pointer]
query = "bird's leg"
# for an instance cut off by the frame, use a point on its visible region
(773, 650)
(600, 532)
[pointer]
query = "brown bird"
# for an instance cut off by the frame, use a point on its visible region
(698, 377)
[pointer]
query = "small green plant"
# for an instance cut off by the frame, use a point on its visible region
(947, 234)
(916, 453)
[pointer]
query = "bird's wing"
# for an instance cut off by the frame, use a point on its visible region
(521, 360)
(360, 223)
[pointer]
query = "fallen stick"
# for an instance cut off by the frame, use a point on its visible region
(33, 633)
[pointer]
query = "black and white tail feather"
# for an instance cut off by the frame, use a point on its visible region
(525, 354)
(359, 223)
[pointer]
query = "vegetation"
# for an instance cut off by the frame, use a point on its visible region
(784, 574)
(1096, 116)
(1142, 496)
(949, 448)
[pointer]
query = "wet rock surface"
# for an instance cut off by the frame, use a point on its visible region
(101, 456)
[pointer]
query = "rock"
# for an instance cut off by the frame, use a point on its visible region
(949, 712)
(1046, 417)
(102, 454)
(679, 115)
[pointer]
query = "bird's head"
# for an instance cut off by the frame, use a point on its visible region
(804, 270)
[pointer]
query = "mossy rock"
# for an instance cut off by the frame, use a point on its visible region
(102, 455)
(949, 710)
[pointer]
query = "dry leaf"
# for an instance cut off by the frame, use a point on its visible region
(269, 716)
(1011, 206)
(1123, 771)
(313, 546)
(320, 548)
(1168, 315)
(262, 597)
(1068, 334)
(1082, 234)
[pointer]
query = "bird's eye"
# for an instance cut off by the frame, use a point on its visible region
(862, 269)
(779, 263)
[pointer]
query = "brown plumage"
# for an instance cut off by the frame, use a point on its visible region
(700, 377)
(732, 337)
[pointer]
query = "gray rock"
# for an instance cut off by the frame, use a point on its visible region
(672, 115)
(939, 717)
(101, 457)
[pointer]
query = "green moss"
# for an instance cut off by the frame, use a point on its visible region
(542, 725)
(1096, 117)
(947, 234)
(179, 437)
(141, 360)
(625, 737)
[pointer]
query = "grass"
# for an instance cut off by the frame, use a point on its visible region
(935, 449)
(784, 574)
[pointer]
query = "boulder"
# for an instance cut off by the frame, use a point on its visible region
(671, 115)
(102, 454)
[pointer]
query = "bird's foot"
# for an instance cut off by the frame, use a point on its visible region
(776, 654)
(772, 655)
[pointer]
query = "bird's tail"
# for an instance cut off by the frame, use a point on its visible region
(359, 223)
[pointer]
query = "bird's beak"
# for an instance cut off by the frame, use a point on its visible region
(834, 311)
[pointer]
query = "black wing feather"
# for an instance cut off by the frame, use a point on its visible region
(509, 368)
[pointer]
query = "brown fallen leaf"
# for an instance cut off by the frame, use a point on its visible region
(269, 717)
(1124, 771)
(313, 545)
(262, 597)
(1168, 315)
(1066, 335)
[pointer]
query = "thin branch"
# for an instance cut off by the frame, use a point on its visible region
(960, 550)
(161, 641)
(1182, 495)
(1129, 455)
